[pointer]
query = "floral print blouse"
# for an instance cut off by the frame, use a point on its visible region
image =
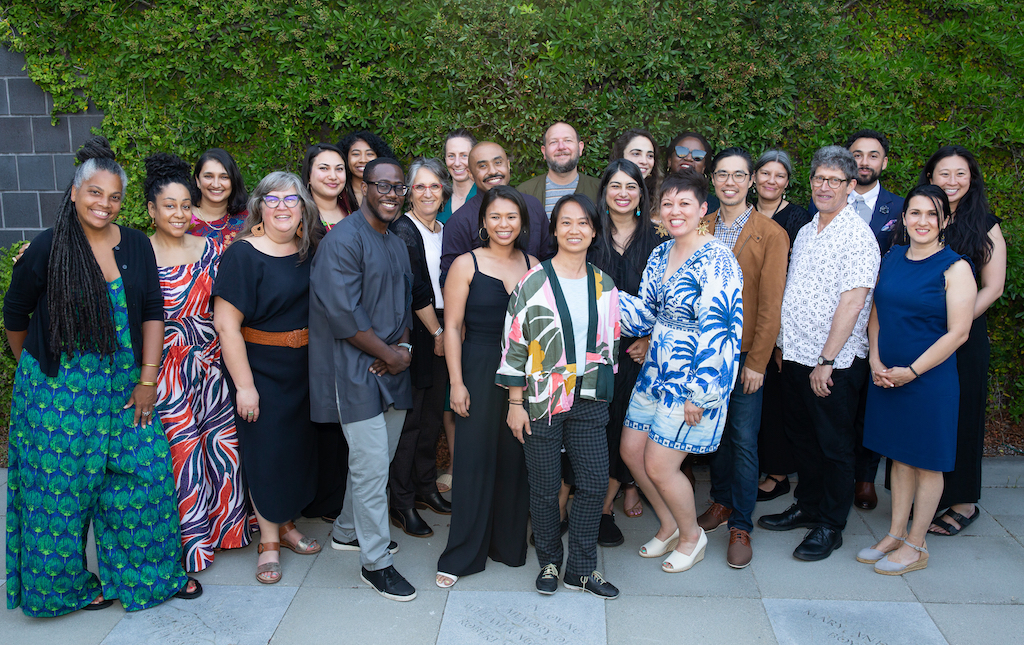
(537, 349)
(695, 319)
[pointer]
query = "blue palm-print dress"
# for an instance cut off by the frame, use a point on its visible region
(695, 319)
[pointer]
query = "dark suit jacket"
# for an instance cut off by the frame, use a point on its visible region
(462, 232)
(888, 207)
(536, 186)
(421, 339)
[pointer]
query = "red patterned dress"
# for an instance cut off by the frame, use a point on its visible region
(197, 415)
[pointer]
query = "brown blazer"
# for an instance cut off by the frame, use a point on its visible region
(762, 251)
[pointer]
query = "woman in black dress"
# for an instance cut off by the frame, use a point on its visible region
(775, 453)
(491, 504)
(261, 312)
(974, 232)
(621, 250)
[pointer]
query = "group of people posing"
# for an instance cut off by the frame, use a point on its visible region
(298, 351)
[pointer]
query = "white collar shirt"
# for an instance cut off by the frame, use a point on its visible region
(824, 265)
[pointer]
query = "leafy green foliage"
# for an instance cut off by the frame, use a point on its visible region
(264, 78)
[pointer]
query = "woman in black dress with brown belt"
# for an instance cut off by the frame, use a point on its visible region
(491, 505)
(626, 241)
(261, 312)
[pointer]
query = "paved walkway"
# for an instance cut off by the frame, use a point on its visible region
(971, 593)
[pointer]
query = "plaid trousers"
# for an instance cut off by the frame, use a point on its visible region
(582, 429)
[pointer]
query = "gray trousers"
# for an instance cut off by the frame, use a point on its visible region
(364, 515)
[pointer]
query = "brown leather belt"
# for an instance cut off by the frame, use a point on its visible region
(294, 339)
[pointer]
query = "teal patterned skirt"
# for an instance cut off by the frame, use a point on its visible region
(76, 460)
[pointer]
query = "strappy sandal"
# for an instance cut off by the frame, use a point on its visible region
(964, 522)
(268, 567)
(887, 567)
(448, 581)
(871, 556)
(185, 594)
(305, 546)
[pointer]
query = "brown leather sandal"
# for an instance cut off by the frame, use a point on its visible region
(268, 567)
(305, 546)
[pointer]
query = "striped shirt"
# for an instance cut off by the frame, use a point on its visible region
(554, 192)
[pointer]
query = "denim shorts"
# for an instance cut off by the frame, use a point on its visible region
(666, 425)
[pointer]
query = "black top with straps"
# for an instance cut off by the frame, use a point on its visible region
(486, 305)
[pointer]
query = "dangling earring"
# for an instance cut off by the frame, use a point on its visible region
(483, 235)
(702, 228)
(298, 231)
(638, 211)
(257, 231)
(942, 235)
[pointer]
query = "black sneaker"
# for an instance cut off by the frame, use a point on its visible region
(354, 545)
(594, 583)
(389, 583)
(547, 580)
(609, 534)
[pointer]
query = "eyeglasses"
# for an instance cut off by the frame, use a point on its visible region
(682, 151)
(384, 188)
(419, 189)
(833, 182)
(739, 176)
(272, 201)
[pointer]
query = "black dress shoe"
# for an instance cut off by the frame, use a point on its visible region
(781, 488)
(434, 502)
(410, 521)
(609, 534)
(864, 495)
(820, 542)
(791, 518)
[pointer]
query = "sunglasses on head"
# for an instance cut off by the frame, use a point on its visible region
(682, 151)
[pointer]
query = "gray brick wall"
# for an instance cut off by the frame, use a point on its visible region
(36, 157)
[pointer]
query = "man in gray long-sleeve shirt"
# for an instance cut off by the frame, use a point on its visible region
(359, 321)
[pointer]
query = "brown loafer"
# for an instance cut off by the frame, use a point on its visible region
(739, 554)
(714, 517)
(864, 496)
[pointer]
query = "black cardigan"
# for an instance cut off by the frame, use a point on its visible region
(422, 295)
(25, 304)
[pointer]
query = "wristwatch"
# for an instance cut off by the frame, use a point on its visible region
(407, 346)
(824, 361)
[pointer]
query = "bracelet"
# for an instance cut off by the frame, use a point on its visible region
(150, 365)
(911, 368)
(148, 383)
(440, 330)
(515, 401)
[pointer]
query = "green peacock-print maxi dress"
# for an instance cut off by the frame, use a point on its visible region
(75, 458)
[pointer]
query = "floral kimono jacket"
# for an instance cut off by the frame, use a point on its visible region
(538, 349)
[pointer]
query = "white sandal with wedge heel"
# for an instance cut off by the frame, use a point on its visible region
(656, 548)
(678, 561)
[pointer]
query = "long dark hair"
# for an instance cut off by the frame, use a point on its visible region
(312, 152)
(619, 151)
(379, 146)
(81, 316)
(941, 201)
(636, 250)
(513, 195)
(967, 233)
(239, 197)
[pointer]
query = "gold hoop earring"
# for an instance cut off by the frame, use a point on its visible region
(482, 234)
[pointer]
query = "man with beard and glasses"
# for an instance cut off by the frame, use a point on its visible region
(561, 149)
(359, 325)
(880, 209)
(489, 166)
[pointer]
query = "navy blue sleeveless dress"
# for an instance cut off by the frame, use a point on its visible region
(914, 424)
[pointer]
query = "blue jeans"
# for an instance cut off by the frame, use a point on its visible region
(734, 468)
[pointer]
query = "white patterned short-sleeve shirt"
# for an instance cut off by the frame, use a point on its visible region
(842, 257)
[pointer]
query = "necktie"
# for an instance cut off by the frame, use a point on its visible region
(862, 209)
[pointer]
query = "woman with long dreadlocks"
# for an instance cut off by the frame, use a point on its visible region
(194, 406)
(84, 317)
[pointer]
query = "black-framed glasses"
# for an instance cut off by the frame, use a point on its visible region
(384, 188)
(722, 176)
(273, 201)
(682, 151)
(833, 182)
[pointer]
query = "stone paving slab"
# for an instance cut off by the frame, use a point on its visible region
(1002, 472)
(978, 624)
(704, 621)
(522, 618)
(798, 622)
(968, 570)
(223, 615)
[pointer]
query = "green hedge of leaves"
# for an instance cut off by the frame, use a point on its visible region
(264, 78)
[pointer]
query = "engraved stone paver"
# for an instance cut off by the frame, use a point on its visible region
(522, 617)
(826, 622)
(223, 615)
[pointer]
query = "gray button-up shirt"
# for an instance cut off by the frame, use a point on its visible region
(360, 280)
